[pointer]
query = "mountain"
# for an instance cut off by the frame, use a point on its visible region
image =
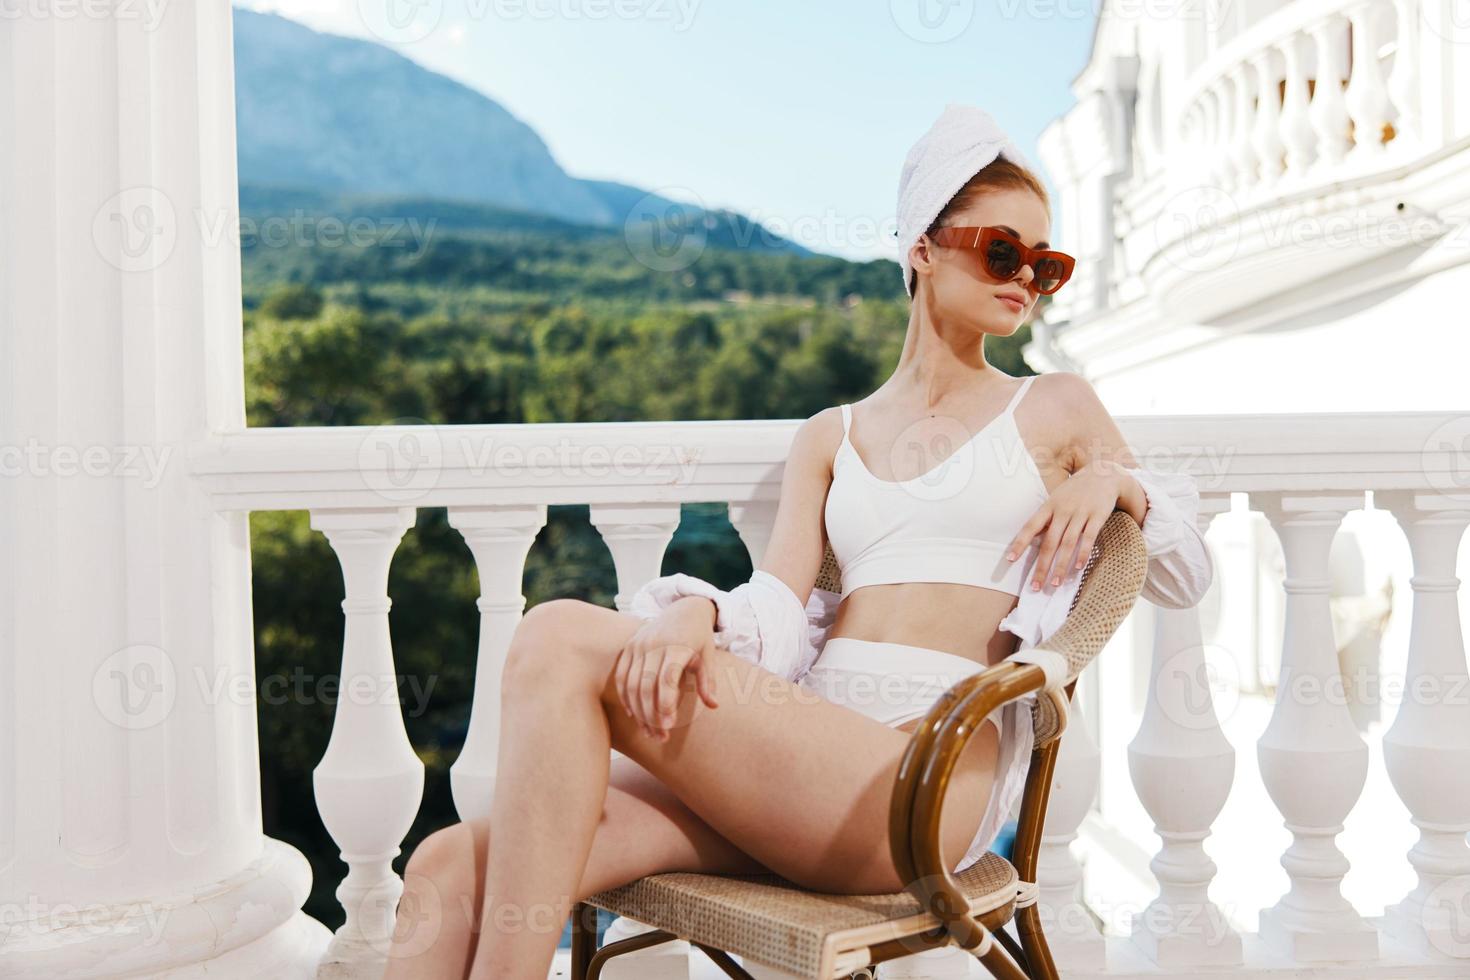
(341, 116)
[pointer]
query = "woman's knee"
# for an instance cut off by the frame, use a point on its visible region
(542, 638)
(445, 855)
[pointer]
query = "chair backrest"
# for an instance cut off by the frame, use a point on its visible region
(829, 577)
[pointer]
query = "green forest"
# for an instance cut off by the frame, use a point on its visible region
(480, 316)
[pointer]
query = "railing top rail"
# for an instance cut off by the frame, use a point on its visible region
(738, 461)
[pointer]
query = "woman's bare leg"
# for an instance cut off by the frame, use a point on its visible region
(644, 830)
(798, 783)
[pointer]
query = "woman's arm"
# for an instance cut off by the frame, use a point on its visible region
(765, 620)
(1106, 476)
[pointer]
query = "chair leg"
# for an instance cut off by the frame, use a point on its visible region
(1012, 947)
(631, 944)
(1000, 964)
(584, 939)
(1033, 939)
(722, 960)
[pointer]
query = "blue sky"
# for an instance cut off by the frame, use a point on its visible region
(797, 113)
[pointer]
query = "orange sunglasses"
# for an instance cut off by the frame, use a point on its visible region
(1004, 254)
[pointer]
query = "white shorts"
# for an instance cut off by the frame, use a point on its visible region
(895, 683)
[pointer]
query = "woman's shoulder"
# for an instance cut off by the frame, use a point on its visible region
(819, 436)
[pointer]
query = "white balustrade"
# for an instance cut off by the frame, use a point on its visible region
(1313, 760)
(1182, 768)
(1367, 94)
(1328, 110)
(1427, 750)
(499, 537)
(370, 782)
(1313, 763)
(1075, 940)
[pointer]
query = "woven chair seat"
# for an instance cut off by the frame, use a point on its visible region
(771, 921)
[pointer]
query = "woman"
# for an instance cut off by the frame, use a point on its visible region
(751, 742)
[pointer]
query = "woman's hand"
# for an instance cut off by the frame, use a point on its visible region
(653, 664)
(1072, 515)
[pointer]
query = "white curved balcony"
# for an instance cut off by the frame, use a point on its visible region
(1319, 143)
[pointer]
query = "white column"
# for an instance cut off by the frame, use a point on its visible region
(370, 782)
(1183, 767)
(1427, 749)
(499, 537)
(129, 782)
(1313, 762)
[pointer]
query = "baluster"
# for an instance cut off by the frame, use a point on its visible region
(753, 521)
(1219, 167)
(1403, 80)
(369, 783)
(1242, 154)
(1427, 749)
(1183, 767)
(637, 535)
(1211, 134)
(1296, 121)
(1312, 760)
(1266, 136)
(1329, 112)
(1075, 941)
(499, 537)
(1366, 96)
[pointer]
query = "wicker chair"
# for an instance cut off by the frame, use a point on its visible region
(768, 920)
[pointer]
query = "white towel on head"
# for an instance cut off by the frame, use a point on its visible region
(962, 142)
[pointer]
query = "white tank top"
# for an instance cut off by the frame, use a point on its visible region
(950, 524)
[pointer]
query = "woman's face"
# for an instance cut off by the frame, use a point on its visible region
(961, 291)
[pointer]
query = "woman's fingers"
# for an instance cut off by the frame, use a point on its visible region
(647, 683)
(623, 670)
(704, 684)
